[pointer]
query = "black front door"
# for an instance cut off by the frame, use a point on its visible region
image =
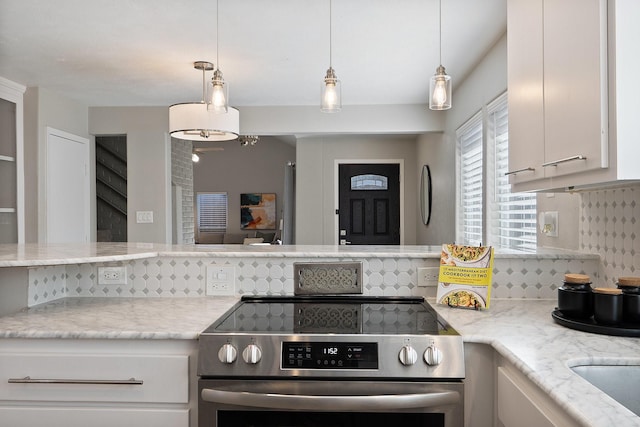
(369, 204)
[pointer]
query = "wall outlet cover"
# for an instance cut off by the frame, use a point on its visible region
(428, 276)
(113, 275)
(220, 280)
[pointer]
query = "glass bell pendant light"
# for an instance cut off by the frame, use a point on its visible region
(219, 90)
(440, 84)
(331, 89)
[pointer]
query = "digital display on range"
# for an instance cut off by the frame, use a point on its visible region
(322, 355)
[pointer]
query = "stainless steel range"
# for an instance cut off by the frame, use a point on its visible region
(330, 360)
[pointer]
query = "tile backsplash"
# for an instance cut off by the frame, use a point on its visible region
(513, 277)
(610, 227)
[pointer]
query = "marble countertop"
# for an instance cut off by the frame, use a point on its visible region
(29, 255)
(522, 331)
(116, 318)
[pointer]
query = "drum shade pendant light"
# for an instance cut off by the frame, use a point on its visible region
(193, 121)
(331, 95)
(440, 84)
(219, 99)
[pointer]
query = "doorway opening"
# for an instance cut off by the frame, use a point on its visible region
(111, 188)
(369, 203)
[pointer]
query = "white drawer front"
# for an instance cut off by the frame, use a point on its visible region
(94, 417)
(165, 379)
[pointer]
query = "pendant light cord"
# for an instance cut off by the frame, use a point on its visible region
(440, 29)
(217, 35)
(330, 37)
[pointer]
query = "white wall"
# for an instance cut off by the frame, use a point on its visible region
(315, 180)
(44, 108)
(250, 169)
(148, 165)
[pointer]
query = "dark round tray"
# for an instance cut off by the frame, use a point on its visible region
(590, 325)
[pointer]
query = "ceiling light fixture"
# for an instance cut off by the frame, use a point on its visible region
(331, 97)
(219, 99)
(440, 84)
(193, 121)
(248, 140)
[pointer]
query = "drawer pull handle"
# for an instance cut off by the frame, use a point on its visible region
(565, 160)
(529, 169)
(29, 380)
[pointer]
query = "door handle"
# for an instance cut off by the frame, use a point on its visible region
(344, 242)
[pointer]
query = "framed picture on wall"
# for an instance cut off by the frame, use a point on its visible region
(258, 211)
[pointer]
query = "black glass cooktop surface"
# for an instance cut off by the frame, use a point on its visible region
(332, 314)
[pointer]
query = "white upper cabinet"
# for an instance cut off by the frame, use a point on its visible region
(11, 162)
(570, 87)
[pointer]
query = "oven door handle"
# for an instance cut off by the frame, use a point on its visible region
(331, 403)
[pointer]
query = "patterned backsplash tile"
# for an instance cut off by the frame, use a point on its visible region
(185, 277)
(610, 227)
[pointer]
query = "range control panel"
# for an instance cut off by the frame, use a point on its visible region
(329, 355)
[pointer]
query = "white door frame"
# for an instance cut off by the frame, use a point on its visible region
(42, 194)
(336, 191)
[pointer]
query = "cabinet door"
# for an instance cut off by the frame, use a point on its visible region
(25, 416)
(575, 85)
(525, 75)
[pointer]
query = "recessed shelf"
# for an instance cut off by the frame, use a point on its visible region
(7, 158)
(7, 210)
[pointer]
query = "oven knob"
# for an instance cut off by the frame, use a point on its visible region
(432, 355)
(408, 355)
(227, 353)
(252, 354)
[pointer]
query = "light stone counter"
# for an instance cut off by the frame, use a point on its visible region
(116, 318)
(522, 331)
(32, 255)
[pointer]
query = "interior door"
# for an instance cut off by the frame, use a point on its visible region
(369, 204)
(67, 188)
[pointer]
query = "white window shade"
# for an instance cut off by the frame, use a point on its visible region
(513, 223)
(470, 216)
(212, 212)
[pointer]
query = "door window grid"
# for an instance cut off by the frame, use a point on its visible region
(369, 182)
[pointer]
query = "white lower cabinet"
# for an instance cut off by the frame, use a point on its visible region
(520, 403)
(100, 383)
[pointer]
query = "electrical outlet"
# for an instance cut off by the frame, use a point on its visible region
(428, 276)
(221, 280)
(112, 275)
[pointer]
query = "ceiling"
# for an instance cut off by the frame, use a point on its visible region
(271, 52)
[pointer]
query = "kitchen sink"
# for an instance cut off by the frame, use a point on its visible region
(618, 381)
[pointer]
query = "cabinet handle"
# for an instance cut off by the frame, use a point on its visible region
(29, 380)
(565, 160)
(529, 169)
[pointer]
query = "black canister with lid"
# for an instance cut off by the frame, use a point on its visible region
(575, 297)
(630, 287)
(607, 306)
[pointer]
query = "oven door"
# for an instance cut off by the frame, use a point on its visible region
(331, 403)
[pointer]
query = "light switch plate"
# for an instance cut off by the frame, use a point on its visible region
(144, 217)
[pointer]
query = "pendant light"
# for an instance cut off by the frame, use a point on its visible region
(219, 100)
(193, 121)
(331, 96)
(440, 84)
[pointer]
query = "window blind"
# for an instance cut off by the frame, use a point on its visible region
(514, 214)
(471, 183)
(212, 212)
